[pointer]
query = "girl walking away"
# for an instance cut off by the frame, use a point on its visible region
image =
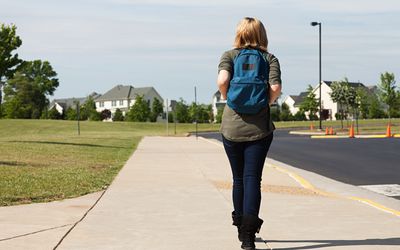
(249, 79)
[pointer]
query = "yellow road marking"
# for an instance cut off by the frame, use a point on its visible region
(375, 205)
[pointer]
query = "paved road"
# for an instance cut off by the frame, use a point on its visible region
(352, 161)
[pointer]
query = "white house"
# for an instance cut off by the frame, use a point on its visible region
(329, 107)
(294, 101)
(62, 105)
(123, 97)
(217, 103)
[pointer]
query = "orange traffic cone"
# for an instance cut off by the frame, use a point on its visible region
(312, 126)
(331, 131)
(326, 131)
(388, 131)
(351, 132)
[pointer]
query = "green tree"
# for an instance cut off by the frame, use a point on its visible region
(71, 114)
(156, 109)
(19, 97)
(285, 114)
(310, 104)
(220, 111)
(345, 95)
(300, 116)
(54, 114)
(375, 110)
(387, 91)
(139, 111)
(118, 116)
(364, 102)
(275, 112)
(182, 112)
(9, 61)
(33, 81)
(88, 110)
(201, 113)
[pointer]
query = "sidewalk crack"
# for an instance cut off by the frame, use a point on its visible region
(81, 219)
(35, 232)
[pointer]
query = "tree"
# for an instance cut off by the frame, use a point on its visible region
(387, 91)
(9, 60)
(345, 96)
(105, 114)
(140, 110)
(54, 114)
(71, 114)
(156, 109)
(118, 116)
(310, 104)
(182, 112)
(218, 117)
(88, 110)
(375, 110)
(364, 102)
(203, 113)
(33, 81)
(300, 116)
(19, 97)
(285, 114)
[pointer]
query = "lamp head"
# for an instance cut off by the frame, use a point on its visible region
(314, 23)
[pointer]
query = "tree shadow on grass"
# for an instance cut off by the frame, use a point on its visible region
(12, 163)
(335, 243)
(21, 164)
(70, 144)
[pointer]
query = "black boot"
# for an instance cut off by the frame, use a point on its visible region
(250, 226)
(237, 221)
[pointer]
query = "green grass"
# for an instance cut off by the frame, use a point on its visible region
(45, 160)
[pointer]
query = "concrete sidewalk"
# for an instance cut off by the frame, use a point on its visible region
(175, 193)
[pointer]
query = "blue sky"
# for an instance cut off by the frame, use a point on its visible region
(174, 45)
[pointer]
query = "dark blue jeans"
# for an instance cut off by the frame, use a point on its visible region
(247, 162)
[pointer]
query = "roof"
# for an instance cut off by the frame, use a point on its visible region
(121, 92)
(144, 91)
(217, 94)
(352, 84)
(65, 103)
(298, 99)
(117, 93)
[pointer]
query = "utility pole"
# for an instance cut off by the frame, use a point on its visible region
(195, 104)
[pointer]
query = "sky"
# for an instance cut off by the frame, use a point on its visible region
(175, 45)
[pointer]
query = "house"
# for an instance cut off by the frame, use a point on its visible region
(62, 105)
(329, 107)
(217, 103)
(123, 97)
(294, 102)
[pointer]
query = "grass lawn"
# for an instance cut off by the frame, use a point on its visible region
(45, 160)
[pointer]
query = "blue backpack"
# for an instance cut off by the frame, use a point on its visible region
(248, 88)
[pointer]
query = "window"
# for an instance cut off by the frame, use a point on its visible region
(101, 104)
(121, 102)
(113, 103)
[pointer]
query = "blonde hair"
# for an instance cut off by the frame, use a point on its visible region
(250, 32)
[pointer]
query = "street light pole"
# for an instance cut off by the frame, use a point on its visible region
(320, 73)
